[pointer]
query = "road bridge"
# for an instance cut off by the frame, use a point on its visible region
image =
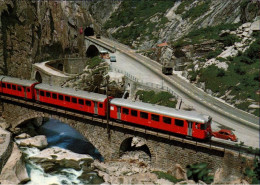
(112, 138)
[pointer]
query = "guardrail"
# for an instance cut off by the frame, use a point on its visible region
(145, 61)
(147, 84)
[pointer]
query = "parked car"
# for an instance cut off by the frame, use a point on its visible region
(98, 36)
(112, 58)
(225, 134)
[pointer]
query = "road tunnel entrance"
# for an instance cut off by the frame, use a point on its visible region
(38, 77)
(92, 51)
(89, 31)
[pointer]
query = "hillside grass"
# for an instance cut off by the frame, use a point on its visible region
(93, 62)
(241, 77)
(211, 32)
(161, 98)
(138, 13)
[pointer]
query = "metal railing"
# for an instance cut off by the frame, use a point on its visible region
(133, 78)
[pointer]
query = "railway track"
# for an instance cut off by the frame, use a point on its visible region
(220, 146)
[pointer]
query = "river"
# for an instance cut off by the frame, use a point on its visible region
(62, 135)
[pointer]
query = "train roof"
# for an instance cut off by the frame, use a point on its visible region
(182, 114)
(72, 92)
(18, 81)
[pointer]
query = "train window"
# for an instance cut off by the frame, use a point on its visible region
(8, 86)
(41, 93)
(81, 102)
(100, 105)
(14, 87)
(74, 100)
(144, 115)
(19, 88)
(61, 97)
(167, 120)
(48, 94)
(155, 117)
(179, 123)
(3, 85)
(88, 103)
(54, 95)
(196, 125)
(67, 98)
(203, 126)
(28, 89)
(125, 111)
(134, 113)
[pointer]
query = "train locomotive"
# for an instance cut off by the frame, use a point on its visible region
(186, 123)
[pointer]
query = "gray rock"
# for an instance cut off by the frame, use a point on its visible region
(37, 141)
(52, 158)
(14, 171)
(255, 26)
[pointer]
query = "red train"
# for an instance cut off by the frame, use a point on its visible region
(188, 123)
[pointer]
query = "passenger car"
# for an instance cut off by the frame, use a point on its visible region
(112, 58)
(225, 134)
(98, 36)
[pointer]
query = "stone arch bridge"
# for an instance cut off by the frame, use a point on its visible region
(112, 139)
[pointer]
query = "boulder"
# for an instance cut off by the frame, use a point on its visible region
(22, 136)
(255, 26)
(14, 171)
(37, 141)
(53, 158)
(179, 172)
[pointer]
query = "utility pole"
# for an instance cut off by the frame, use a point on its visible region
(108, 106)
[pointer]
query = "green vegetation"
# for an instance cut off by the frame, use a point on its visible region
(199, 171)
(200, 35)
(181, 7)
(197, 11)
(93, 62)
(161, 98)
(167, 176)
(253, 172)
(241, 77)
(138, 13)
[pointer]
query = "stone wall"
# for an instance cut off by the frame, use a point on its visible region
(6, 146)
(164, 153)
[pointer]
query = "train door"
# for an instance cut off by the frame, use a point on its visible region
(95, 107)
(25, 93)
(190, 128)
(119, 113)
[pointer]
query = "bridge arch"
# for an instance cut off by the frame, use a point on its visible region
(22, 120)
(92, 51)
(89, 31)
(38, 77)
(134, 144)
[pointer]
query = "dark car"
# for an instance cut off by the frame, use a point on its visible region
(98, 36)
(112, 58)
(225, 134)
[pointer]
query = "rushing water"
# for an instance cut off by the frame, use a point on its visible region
(63, 136)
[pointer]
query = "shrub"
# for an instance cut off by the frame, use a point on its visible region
(199, 171)
(213, 54)
(221, 73)
(197, 11)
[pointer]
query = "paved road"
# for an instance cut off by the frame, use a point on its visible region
(223, 114)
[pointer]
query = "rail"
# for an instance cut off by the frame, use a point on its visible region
(214, 145)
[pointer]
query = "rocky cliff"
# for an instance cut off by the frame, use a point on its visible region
(32, 31)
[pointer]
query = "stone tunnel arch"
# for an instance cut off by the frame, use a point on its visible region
(92, 51)
(31, 117)
(38, 77)
(134, 144)
(89, 31)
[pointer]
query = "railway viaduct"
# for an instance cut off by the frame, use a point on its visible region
(164, 150)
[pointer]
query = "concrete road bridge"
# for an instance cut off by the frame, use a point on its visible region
(112, 138)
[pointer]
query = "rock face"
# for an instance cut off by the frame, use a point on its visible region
(37, 141)
(52, 158)
(32, 31)
(14, 171)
